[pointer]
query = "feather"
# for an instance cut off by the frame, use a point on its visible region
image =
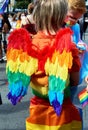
(25, 59)
(20, 65)
(57, 68)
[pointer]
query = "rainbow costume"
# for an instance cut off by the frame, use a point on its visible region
(49, 56)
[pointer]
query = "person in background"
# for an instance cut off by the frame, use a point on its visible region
(5, 27)
(13, 22)
(45, 62)
(1, 60)
(10, 16)
(30, 11)
(28, 22)
(81, 24)
(76, 9)
(18, 23)
(1, 25)
(5, 32)
(23, 19)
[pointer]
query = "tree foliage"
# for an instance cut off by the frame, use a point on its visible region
(22, 4)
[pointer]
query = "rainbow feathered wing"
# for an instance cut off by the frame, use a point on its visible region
(20, 65)
(57, 69)
(22, 62)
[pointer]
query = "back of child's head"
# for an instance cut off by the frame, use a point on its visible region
(49, 14)
(78, 5)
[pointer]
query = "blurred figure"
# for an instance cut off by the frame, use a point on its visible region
(76, 11)
(81, 24)
(85, 17)
(29, 23)
(0, 100)
(1, 25)
(23, 19)
(5, 32)
(18, 22)
(13, 22)
(10, 17)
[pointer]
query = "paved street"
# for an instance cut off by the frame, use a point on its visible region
(13, 117)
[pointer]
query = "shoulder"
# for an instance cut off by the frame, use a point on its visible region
(30, 18)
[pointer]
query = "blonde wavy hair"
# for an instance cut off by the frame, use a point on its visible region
(78, 5)
(49, 14)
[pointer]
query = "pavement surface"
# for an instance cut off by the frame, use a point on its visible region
(13, 117)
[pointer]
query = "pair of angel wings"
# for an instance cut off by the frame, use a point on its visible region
(23, 62)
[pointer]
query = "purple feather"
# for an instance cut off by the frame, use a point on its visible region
(14, 99)
(57, 107)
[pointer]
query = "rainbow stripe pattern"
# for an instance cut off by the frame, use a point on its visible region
(23, 61)
(20, 66)
(43, 117)
(83, 97)
(57, 69)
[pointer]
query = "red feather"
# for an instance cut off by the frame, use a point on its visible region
(62, 38)
(20, 39)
